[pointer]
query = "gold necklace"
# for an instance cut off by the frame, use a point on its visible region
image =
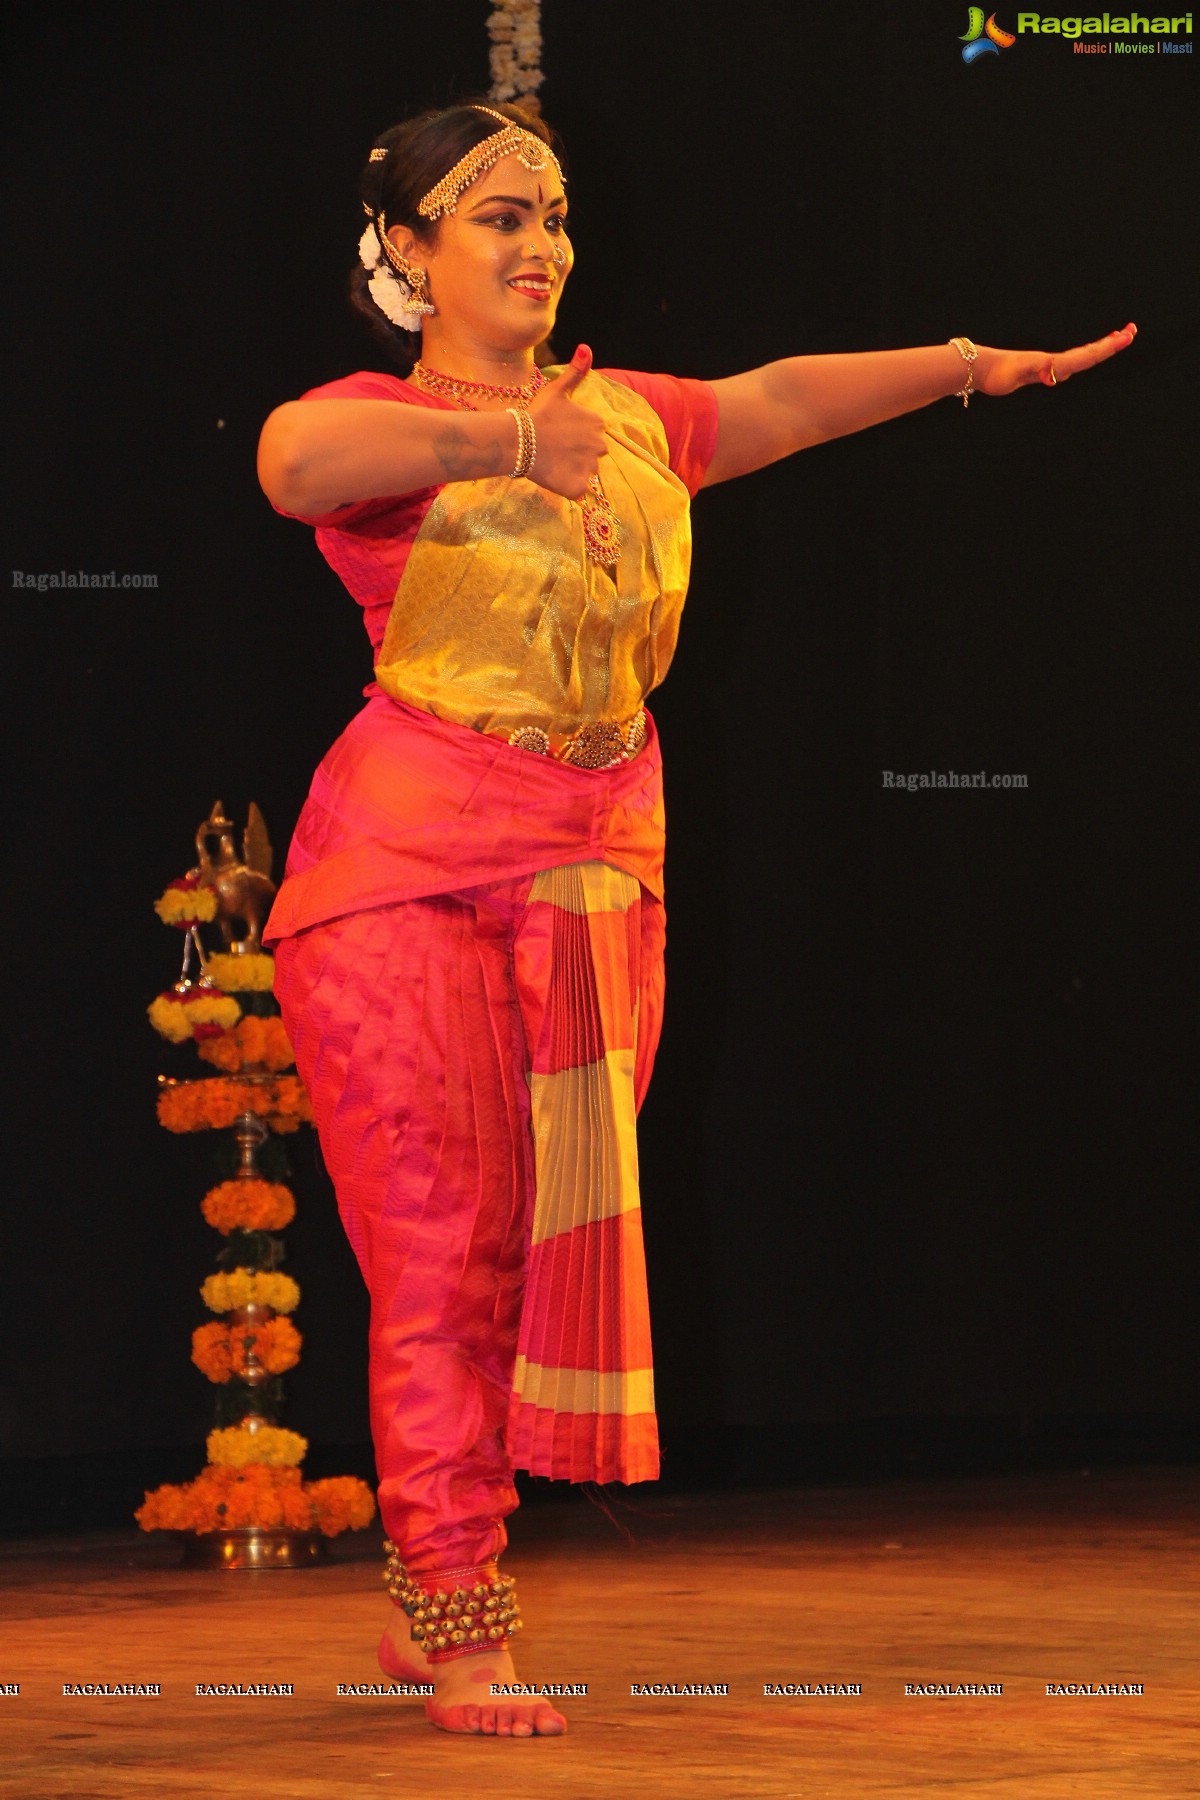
(457, 387)
(601, 529)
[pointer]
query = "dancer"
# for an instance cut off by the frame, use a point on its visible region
(469, 934)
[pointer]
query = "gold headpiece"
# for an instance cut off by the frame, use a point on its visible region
(513, 140)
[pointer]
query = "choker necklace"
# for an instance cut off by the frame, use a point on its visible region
(454, 387)
(601, 531)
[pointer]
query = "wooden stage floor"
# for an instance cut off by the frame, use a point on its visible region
(1023, 1582)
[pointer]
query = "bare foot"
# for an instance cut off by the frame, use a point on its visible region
(464, 1700)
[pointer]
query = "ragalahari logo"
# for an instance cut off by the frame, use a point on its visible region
(983, 39)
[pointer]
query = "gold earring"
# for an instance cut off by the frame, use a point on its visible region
(412, 276)
(416, 278)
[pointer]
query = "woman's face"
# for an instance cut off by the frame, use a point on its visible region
(492, 273)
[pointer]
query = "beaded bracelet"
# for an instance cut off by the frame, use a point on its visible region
(526, 440)
(968, 352)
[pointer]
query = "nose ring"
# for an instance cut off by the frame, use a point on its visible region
(558, 255)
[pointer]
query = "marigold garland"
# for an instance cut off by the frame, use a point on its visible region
(253, 1477)
(222, 1351)
(221, 1499)
(254, 1042)
(178, 1014)
(276, 1345)
(253, 973)
(212, 1351)
(250, 1287)
(248, 1204)
(186, 902)
(343, 1502)
(235, 1446)
(217, 1102)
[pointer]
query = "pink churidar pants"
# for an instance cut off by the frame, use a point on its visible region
(475, 1059)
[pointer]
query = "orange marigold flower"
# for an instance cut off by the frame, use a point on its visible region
(248, 1204)
(342, 1503)
(277, 1345)
(222, 1052)
(224, 1498)
(211, 1351)
(215, 1103)
(252, 1043)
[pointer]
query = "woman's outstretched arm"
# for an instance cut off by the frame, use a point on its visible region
(786, 406)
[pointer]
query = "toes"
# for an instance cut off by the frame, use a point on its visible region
(497, 1721)
(447, 1718)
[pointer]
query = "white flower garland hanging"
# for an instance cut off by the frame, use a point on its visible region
(515, 28)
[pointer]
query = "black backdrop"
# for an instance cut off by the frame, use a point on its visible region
(915, 1149)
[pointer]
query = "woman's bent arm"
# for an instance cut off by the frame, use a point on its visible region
(317, 455)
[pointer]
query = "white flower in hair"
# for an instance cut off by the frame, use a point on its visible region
(392, 295)
(390, 292)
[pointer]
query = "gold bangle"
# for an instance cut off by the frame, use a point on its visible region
(526, 441)
(968, 352)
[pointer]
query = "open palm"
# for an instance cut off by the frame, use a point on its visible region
(1002, 371)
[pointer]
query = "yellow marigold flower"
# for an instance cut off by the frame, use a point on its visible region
(188, 901)
(253, 973)
(248, 1204)
(236, 1446)
(176, 1013)
(169, 1017)
(250, 1287)
(212, 1007)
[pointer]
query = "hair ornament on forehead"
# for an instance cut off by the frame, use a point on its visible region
(512, 140)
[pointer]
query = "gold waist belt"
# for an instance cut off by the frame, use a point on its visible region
(599, 746)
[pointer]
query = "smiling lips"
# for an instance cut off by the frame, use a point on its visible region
(534, 287)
